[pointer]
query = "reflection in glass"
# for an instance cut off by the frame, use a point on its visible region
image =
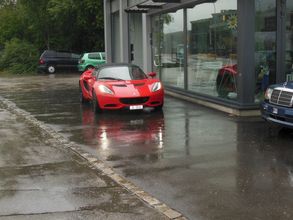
(168, 48)
(212, 45)
(265, 46)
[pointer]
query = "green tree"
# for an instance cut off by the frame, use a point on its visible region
(68, 25)
(87, 33)
(71, 25)
(10, 23)
(19, 57)
(39, 26)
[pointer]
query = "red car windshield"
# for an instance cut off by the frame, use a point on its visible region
(121, 73)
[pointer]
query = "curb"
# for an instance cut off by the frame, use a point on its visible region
(94, 163)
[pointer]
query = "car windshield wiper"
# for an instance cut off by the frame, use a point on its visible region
(112, 78)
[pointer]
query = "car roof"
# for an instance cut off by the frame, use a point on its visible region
(116, 64)
(93, 52)
(56, 52)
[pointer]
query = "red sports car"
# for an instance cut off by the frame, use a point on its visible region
(120, 86)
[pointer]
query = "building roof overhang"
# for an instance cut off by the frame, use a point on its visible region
(150, 4)
(145, 6)
(135, 9)
(158, 6)
(168, 1)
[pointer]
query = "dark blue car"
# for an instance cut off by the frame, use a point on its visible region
(278, 104)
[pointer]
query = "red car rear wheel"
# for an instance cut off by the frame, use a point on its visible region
(81, 97)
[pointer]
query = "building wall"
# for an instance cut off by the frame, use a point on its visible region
(116, 42)
(249, 39)
(116, 31)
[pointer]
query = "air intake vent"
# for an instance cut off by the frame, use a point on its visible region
(139, 84)
(281, 97)
(120, 85)
(134, 101)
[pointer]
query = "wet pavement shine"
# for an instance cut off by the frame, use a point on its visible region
(39, 180)
(201, 162)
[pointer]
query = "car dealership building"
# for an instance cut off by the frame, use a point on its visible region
(219, 53)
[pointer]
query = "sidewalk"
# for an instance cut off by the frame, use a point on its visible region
(41, 181)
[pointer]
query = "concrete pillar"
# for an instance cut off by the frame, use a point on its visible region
(146, 43)
(245, 52)
(107, 30)
(124, 32)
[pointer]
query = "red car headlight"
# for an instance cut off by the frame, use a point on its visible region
(105, 89)
(156, 87)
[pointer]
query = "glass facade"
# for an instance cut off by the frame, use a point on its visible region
(168, 48)
(135, 39)
(265, 46)
(212, 48)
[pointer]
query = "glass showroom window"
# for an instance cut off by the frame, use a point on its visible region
(168, 48)
(212, 40)
(265, 46)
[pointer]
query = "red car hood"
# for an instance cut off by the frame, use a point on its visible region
(130, 88)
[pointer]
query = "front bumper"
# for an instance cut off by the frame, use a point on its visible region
(280, 115)
(113, 102)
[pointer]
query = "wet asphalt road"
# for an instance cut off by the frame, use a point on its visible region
(204, 163)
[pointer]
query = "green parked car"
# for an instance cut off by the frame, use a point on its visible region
(91, 60)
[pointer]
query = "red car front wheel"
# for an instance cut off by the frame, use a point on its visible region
(159, 107)
(95, 104)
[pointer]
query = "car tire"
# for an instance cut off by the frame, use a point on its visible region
(95, 104)
(51, 69)
(81, 97)
(159, 107)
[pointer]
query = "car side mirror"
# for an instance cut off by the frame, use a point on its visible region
(152, 74)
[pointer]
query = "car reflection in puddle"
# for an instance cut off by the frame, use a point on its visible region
(123, 132)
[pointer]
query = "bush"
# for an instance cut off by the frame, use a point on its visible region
(19, 57)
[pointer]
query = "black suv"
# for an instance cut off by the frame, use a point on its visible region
(51, 60)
